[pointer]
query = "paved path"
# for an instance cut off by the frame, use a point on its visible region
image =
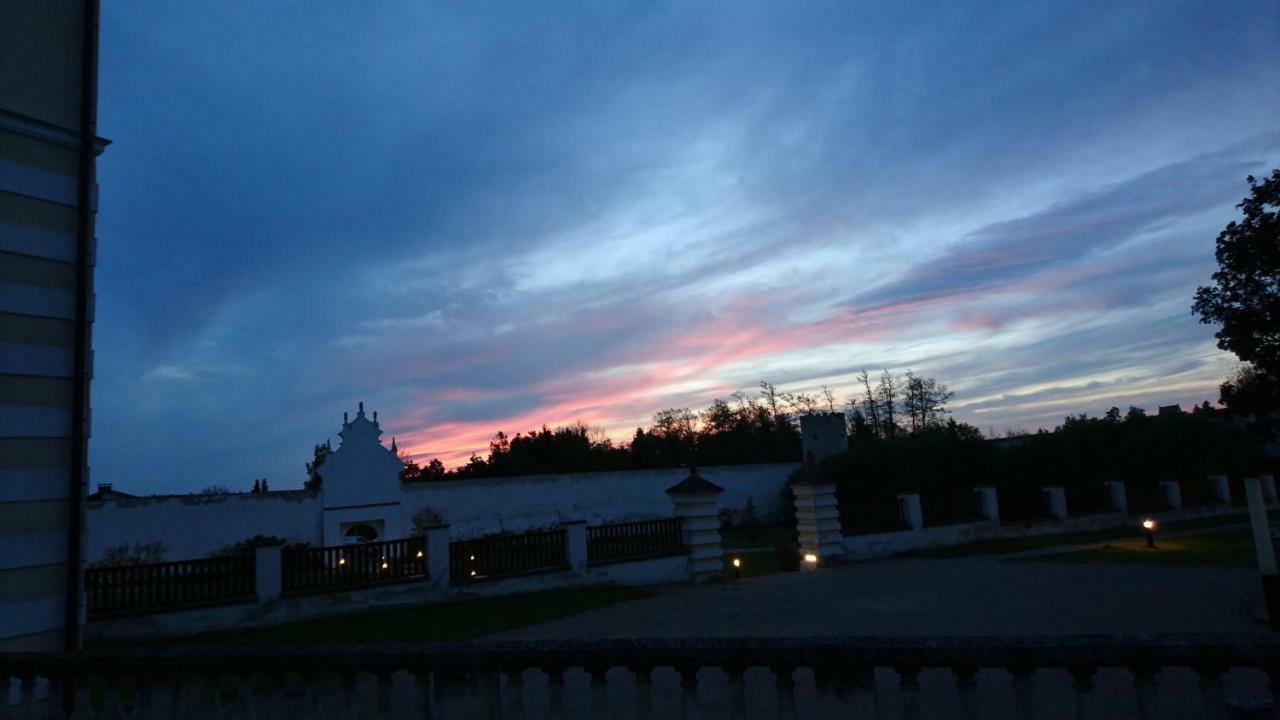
(958, 596)
(963, 596)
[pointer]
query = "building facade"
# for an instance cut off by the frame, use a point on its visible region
(48, 197)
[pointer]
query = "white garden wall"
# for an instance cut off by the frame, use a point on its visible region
(481, 506)
(192, 526)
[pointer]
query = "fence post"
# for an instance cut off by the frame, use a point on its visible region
(1268, 487)
(575, 545)
(911, 511)
(1264, 546)
(438, 556)
(1221, 488)
(1172, 494)
(1119, 500)
(817, 517)
(989, 501)
(268, 568)
(695, 500)
(1057, 501)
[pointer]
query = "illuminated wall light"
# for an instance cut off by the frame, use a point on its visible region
(342, 561)
(384, 566)
(419, 553)
(811, 558)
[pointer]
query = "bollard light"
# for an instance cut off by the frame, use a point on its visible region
(737, 568)
(1149, 527)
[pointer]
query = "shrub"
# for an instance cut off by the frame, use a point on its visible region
(257, 541)
(135, 554)
(425, 519)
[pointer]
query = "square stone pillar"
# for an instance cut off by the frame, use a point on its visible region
(911, 511)
(438, 556)
(1172, 493)
(1221, 488)
(1119, 500)
(575, 545)
(989, 502)
(817, 520)
(268, 569)
(696, 502)
(1057, 501)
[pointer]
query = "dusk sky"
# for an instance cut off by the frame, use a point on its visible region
(478, 217)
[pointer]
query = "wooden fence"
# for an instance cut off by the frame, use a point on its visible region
(499, 556)
(633, 541)
(1146, 498)
(877, 515)
(950, 508)
(1088, 500)
(1023, 505)
(1198, 491)
(346, 566)
(169, 585)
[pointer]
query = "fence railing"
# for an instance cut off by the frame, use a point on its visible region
(634, 540)
(1088, 500)
(169, 585)
(346, 566)
(1024, 505)
(1197, 491)
(1146, 498)
(949, 508)
(875, 515)
(504, 555)
(863, 677)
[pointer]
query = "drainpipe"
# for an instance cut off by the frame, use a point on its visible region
(80, 384)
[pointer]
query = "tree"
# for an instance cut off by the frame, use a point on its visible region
(870, 404)
(216, 490)
(1251, 393)
(924, 401)
(887, 399)
(319, 454)
(1245, 297)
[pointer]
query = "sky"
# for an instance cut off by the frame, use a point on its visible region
(489, 216)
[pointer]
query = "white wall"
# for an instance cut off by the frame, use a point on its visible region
(192, 526)
(476, 507)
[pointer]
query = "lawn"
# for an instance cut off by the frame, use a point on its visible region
(1005, 546)
(457, 621)
(1233, 548)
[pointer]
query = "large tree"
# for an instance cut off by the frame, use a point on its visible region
(1245, 296)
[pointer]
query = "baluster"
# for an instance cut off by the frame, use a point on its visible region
(422, 699)
(688, 692)
(909, 681)
(866, 704)
(786, 683)
(1144, 681)
(1082, 683)
(112, 707)
(385, 684)
(489, 685)
(513, 698)
(967, 688)
(16, 688)
(823, 690)
(555, 691)
(1215, 698)
(644, 693)
(349, 687)
(1024, 679)
(737, 693)
(599, 692)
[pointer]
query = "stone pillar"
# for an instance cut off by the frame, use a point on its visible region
(438, 556)
(989, 502)
(268, 566)
(1172, 493)
(823, 435)
(575, 545)
(696, 500)
(911, 511)
(1057, 501)
(1119, 500)
(1268, 487)
(817, 519)
(1221, 488)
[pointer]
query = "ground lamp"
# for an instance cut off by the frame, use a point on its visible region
(1149, 527)
(811, 559)
(737, 568)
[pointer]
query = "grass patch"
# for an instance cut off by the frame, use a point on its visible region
(1228, 548)
(456, 621)
(1005, 546)
(765, 536)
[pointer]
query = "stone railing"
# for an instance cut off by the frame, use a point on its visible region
(785, 678)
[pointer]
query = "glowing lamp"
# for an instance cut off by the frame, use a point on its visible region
(384, 566)
(811, 558)
(342, 561)
(1149, 527)
(737, 568)
(419, 553)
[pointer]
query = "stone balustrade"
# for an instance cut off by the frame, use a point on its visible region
(688, 678)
